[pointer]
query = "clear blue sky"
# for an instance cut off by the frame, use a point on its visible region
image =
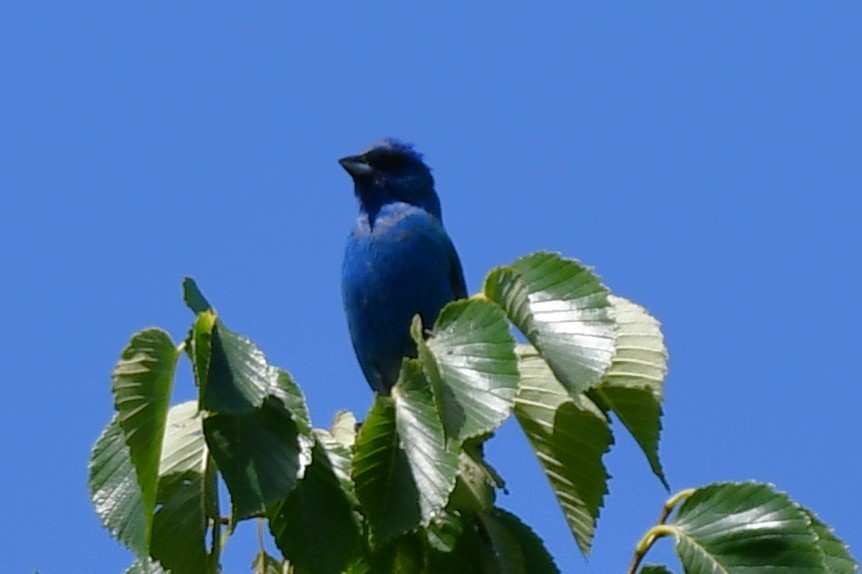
(704, 158)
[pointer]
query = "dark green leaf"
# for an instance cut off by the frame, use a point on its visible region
(472, 367)
(744, 528)
(444, 532)
(288, 391)
(115, 492)
(315, 526)
(239, 377)
(655, 569)
(403, 555)
(258, 453)
(569, 437)
(142, 382)
(358, 566)
(193, 297)
(462, 555)
(381, 472)
(186, 500)
(500, 552)
(291, 396)
(433, 461)
(835, 554)
(474, 489)
(633, 385)
(537, 559)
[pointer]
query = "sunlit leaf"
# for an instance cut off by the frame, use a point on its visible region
(433, 460)
(472, 367)
(343, 428)
(743, 528)
(142, 382)
(186, 502)
(563, 309)
(265, 564)
(835, 556)
(145, 566)
(633, 385)
(569, 437)
(341, 459)
(115, 491)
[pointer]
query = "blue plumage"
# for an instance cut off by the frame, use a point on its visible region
(399, 260)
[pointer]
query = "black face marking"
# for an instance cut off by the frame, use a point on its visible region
(387, 159)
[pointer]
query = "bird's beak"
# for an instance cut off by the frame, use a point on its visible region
(355, 165)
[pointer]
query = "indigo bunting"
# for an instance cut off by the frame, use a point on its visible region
(399, 259)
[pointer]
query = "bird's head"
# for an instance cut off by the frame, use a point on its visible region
(390, 171)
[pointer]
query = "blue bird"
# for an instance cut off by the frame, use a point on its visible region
(399, 260)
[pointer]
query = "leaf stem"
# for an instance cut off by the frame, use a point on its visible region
(672, 502)
(645, 543)
(659, 530)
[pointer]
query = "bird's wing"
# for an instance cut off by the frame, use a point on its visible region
(456, 274)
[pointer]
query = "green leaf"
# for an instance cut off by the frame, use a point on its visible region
(403, 555)
(444, 532)
(193, 297)
(537, 559)
(115, 491)
(381, 472)
(835, 555)
(145, 566)
(569, 437)
(655, 569)
(343, 428)
(186, 501)
(742, 528)
(239, 376)
(563, 309)
(142, 382)
(633, 385)
(500, 552)
(433, 462)
(463, 555)
(199, 346)
(341, 459)
(358, 566)
(265, 564)
(474, 489)
(315, 526)
(258, 453)
(472, 367)
(289, 393)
